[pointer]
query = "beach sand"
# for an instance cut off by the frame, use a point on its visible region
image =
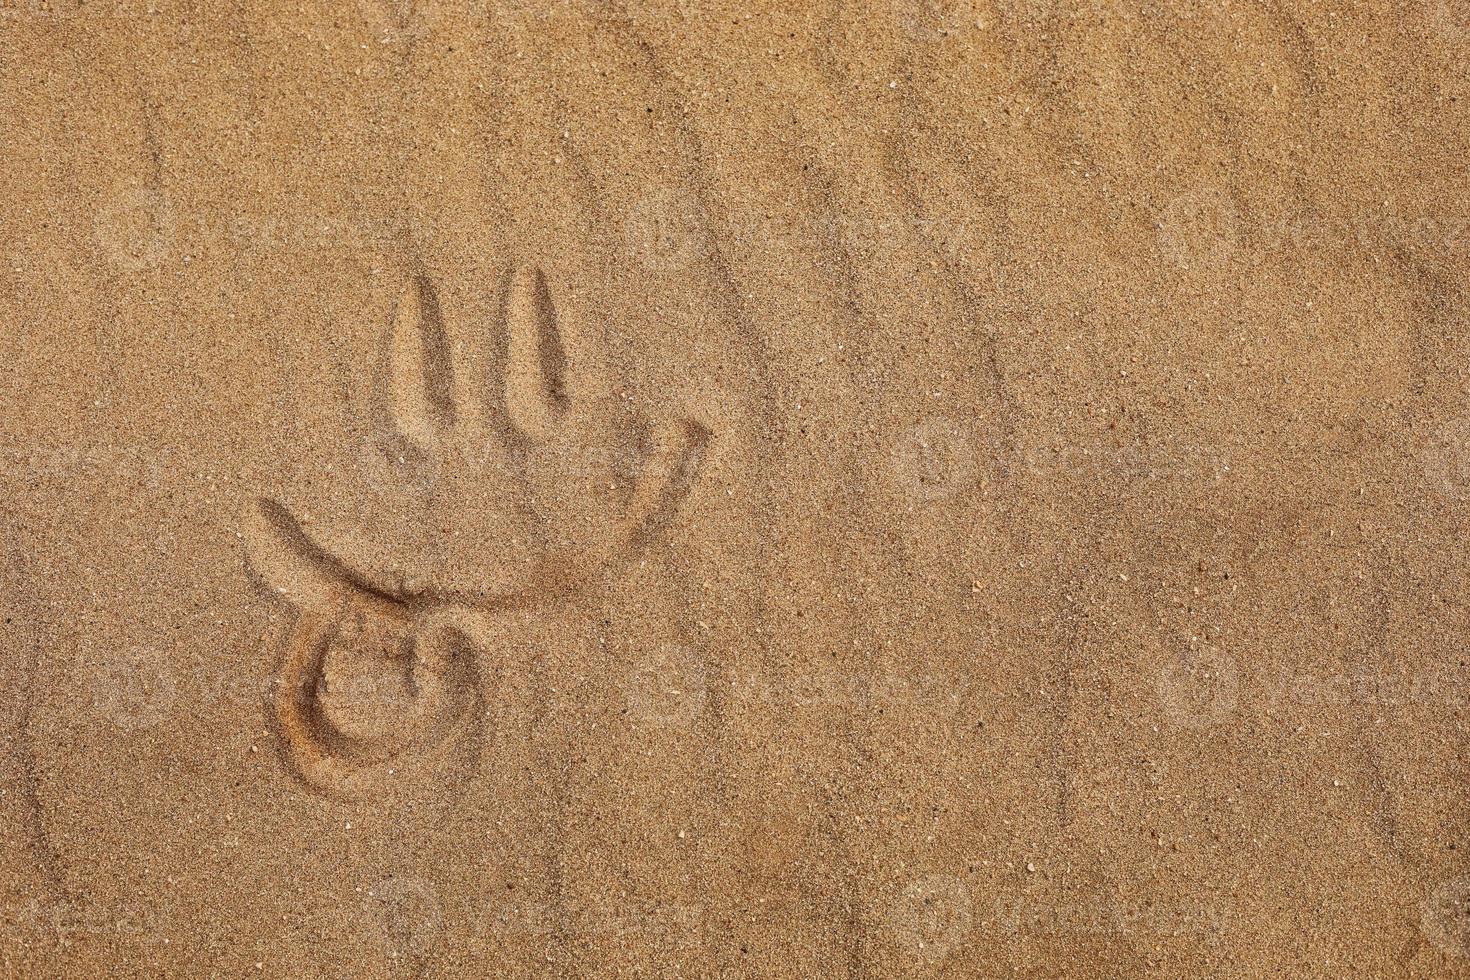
(710, 489)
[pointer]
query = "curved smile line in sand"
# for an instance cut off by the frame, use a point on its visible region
(376, 682)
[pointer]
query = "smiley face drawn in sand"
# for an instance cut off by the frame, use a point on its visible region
(519, 476)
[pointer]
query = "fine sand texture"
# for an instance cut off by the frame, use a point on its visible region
(717, 488)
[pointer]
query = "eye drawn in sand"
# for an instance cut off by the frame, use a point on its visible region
(520, 474)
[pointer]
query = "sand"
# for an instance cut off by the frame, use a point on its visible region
(709, 489)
